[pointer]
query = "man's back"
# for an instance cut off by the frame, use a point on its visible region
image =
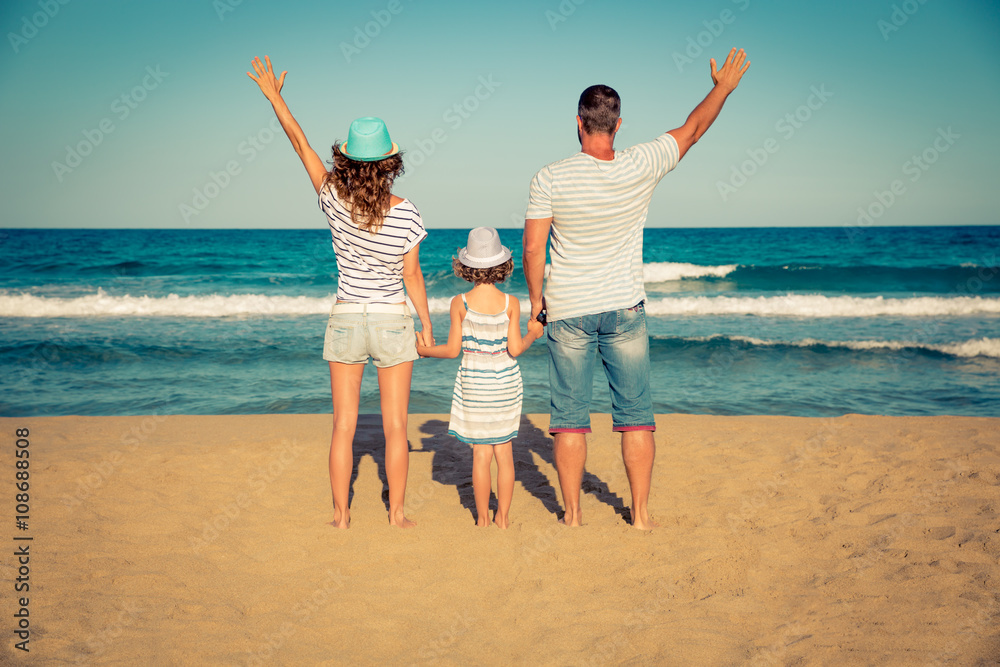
(598, 210)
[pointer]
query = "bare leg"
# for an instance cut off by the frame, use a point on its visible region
(482, 456)
(345, 388)
(505, 482)
(638, 452)
(570, 453)
(394, 392)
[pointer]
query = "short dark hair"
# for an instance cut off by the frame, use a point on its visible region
(600, 108)
(494, 274)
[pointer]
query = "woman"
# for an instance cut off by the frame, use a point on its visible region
(376, 239)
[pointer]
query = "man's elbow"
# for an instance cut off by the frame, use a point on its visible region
(533, 251)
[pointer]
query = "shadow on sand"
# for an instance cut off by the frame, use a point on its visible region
(452, 465)
(370, 441)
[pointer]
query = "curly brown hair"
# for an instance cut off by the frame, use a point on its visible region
(494, 274)
(367, 186)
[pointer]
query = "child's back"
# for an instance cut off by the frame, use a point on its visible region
(486, 404)
(486, 331)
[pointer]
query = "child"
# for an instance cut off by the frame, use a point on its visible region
(486, 406)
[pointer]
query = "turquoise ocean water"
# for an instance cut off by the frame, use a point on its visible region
(801, 321)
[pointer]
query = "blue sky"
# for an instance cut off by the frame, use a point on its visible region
(140, 114)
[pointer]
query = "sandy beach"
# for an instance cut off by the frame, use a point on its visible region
(203, 540)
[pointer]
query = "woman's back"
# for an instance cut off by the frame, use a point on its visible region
(370, 264)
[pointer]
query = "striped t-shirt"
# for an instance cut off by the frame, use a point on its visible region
(370, 266)
(598, 210)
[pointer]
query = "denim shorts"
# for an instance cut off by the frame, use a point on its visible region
(367, 332)
(619, 339)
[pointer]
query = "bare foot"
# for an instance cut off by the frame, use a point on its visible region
(341, 522)
(644, 523)
(397, 519)
(483, 521)
(572, 519)
(501, 521)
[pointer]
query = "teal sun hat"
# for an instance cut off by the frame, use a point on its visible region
(368, 140)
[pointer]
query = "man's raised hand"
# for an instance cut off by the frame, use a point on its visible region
(732, 70)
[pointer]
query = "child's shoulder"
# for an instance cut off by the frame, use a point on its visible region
(513, 305)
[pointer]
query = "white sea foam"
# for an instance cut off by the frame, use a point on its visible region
(234, 305)
(213, 305)
(439, 304)
(816, 306)
(979, 347)
(661, 272)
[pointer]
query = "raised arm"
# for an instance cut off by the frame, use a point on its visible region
(271, 87)
(536, 240)
(725, 80)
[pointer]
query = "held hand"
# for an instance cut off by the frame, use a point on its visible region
(536, 307)
(269, 85)
(535, 329)
(732, 70)
(425, 338)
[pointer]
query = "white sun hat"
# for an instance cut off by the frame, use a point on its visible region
(484, 249)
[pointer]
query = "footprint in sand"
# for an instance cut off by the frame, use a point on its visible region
(940, 533)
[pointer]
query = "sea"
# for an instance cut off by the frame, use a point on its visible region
(812, 322)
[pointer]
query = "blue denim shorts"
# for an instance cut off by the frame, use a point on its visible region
(619, 339)
(381, 332)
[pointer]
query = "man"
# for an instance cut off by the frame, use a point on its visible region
(592, 207)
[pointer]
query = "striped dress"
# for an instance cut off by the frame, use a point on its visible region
(486, 405)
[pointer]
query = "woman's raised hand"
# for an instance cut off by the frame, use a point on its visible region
(269, 85)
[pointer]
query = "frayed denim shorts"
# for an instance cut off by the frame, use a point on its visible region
(382, 332)
(620, 340)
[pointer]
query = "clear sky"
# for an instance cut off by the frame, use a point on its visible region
(140, 114)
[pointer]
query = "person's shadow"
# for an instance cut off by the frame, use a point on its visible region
(452, 464)
(369, 440)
